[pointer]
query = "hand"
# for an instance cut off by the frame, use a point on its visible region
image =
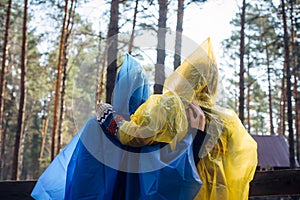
(196, 117)
(103, 110)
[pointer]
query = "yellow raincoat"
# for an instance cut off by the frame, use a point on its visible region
(229, 157)
(228, 160)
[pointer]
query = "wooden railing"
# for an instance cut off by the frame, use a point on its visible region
(276, 183)
(269, 183)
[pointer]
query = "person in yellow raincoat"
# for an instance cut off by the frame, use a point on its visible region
(228, 157)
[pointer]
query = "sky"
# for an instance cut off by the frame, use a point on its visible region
(211, 19)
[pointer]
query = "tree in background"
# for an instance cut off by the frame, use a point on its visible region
(179, 29)
(242, 70)
(112, 49)
(294, 67)
(58, 81)
(22, 103)
(3, 84)
(288, 84)
(262, 55)
(161, 47)
(69, 27)
(264, 23)
(133, 26)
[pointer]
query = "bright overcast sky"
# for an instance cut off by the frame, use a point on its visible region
(211, 19)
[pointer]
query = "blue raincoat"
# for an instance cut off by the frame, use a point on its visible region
(96, 166)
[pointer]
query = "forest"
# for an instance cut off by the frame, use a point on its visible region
(57, 65)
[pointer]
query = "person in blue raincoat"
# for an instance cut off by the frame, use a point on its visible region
(94, 165)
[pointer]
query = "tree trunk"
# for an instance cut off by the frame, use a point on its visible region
(133, 26)
(294, 67)
(288, 88)
(58, 82)
(4, 175)
(44, 128)
(112, 50)
(248, 108)
(62, 105)
(178, 39)
(297, 107)
(3, 82)
(102, 88)
(98, 81)
(161, 46)
(69, 28)
(22, 103)
(282, 106)
(249, 83)
(6, 129)
(269, 90)
(242, 52)
(248, 104)
(24, 135)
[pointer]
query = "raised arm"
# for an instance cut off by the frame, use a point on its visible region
(197, 123)
(162, 118)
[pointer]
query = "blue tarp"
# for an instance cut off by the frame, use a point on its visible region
(96, 166)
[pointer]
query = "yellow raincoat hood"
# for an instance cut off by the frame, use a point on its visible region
(197, 77)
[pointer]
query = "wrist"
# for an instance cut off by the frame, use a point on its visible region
(112, 124)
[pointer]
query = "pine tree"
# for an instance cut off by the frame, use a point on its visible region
(161, 47)
(22, 103)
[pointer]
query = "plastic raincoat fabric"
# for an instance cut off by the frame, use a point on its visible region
(229, 158)
(96, 166)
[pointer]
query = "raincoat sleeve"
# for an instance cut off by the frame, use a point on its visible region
(228, 168)
(161, 118)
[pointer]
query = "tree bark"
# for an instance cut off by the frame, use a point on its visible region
(98, 81)
(3, 82)
(22, 103)
(133, 26)
(69, 28)
(297, 107)
(179, 29)
(288, 89)
(248, 102)
(269, 90)
(282, 105)
(44, 128)
(102, 77)
(295, 92)
(58, 82)
(112, 50)
(159, 78)
(249, 83)
(242, 52)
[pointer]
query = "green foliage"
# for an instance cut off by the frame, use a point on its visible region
(261, 35)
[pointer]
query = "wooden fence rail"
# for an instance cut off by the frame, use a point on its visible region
(276, 183)
(270, 183)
